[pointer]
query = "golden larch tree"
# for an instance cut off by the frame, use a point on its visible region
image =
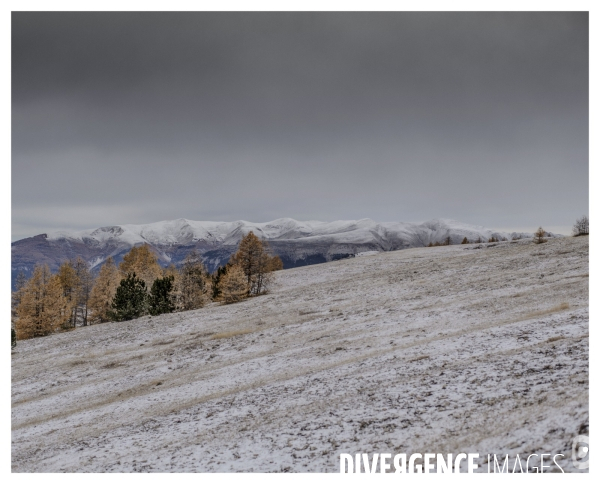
(275, 264)
(76, 281)
(16, 296)
(103, 292)
(85, 282)
(233, 285)
(192, 284)
(256, 263)
(68, 282)
(43, 308)
(143, 262)
(175, 295)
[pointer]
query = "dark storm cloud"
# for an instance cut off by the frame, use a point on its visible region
(137, 117)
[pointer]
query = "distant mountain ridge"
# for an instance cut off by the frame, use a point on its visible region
(297, 243)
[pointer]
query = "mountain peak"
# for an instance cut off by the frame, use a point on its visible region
(296, 242)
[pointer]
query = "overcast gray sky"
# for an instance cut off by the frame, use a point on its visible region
(139, 117)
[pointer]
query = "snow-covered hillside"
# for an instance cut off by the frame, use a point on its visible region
(297, 243)
(475, 348)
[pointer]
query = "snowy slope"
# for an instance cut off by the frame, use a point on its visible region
(480, 348)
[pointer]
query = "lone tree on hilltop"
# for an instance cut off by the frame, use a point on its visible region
(256, 263)
(131, 299)
(539, 236)
(581, 226)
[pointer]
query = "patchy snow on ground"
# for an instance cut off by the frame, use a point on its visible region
(471, 348)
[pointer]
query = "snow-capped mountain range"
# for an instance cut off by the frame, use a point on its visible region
(297, 243)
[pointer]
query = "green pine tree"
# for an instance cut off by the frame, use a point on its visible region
(131, 299)
(216, 278)
(13, 338)
(160, 296)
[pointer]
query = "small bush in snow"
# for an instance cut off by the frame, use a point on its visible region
(581, 226)
(539, 236)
